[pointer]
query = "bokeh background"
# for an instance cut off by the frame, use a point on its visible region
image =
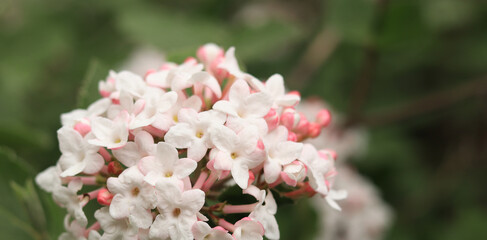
(412, 74)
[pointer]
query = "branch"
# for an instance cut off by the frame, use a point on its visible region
(317, 52)
(427, 103)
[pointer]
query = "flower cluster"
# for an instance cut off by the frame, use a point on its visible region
(157, 153)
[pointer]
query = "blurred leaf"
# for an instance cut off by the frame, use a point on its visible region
(351, 18)
(448, 14)
(17, 136)
(12, 214)
(88, 92)
(30, 200)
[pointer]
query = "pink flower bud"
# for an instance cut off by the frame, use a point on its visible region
(115, 168)
(323, 118)
(104, 197)
(209, 52)
(303, 125)
(148, 72)
(292, 137)
(314, 130)
(289, 118)
(293, 173)
(191, 61)
(272, 119)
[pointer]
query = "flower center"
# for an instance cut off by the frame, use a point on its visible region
(175, 118)
(117, 140)
(135, 191)
(176, 212)
(199, 134)
(234, 155)
(168, 174)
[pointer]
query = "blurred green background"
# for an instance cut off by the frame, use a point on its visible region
(412, 72)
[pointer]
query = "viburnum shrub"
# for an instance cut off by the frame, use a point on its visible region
(199, 150)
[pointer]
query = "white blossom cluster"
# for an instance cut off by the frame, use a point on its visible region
(156, 152)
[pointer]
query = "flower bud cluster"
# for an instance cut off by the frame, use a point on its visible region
(157, 152)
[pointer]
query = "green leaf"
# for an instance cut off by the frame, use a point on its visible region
(88, 92)
(28, 197)
(13, 216)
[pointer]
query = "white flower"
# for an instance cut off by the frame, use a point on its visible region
(335, 195)
(274, 87)
(114, 229)
(248, 229)
(144, 111)
(279, 152)
(177, 212)
(132, 152)
(320, 168)
(237, 152)
(245, 108)
(264, 211)
(131, 83)
(134, 198)
(49, 179)
(192, 131)
(75, 231)
(95, 109)
(170, 117)
(165, 165)
(202, 231)
(67, 197)
(77, 154)
(109, 133)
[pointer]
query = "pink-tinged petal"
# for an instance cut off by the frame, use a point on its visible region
(197, 151)
(222, 161)
(120, 207)
(200, 230)
(225, 107)
(193, 199)
(69, 140)
(184, 167)
(94, 163)
(166, 154)
(257, 105)
(141, 217)
(147, 164)
(286, 152)
(145, 142)
(224, 138)
(115, 186)
(193, 102)
(333, 203)
(254, 191)
(270, 203)
(181, 135)
(158, 79)
(128, 155)
(239, 91)
(272, 169)
(248, 139)
(169, 192)
(240, 175)
(167, 101)
(188, 115)
(207, 80)
(288, 100)
(73, 169)
(275, 85)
